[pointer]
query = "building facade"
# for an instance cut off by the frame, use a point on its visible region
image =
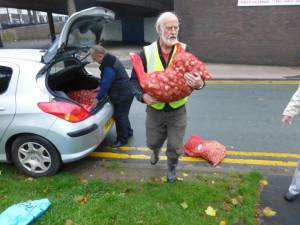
(12, 16)
(218, 31)
(223, 32)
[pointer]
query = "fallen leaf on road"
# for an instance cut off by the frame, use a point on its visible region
(210, 211)
(184, 205)
(163, 179)
(46, 190)
(234, 201)
(185, 175)
(263, 182)
(268, 212)
(240, 199)
(222, 222)
(81, 199)
(156, 179)
(29, 179)
(83, 181)
(70, 222)
(227, 206)
(3, 197)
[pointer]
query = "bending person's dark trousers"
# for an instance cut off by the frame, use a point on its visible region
(123, 126)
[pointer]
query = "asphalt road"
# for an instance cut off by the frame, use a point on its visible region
(244, 117)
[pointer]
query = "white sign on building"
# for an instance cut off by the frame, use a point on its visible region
(267, 2)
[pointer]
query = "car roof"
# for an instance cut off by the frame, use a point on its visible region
(22, 54)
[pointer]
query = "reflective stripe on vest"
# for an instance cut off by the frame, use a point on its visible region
(154, 64)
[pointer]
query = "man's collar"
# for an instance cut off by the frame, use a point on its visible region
(161, 55)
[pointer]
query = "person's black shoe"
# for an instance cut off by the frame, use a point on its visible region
(118, 144)
(130, 134)
(290, 197)
(154, 158)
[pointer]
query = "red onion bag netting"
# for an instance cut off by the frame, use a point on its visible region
(211, 150)
(170, 85)
(85, 97)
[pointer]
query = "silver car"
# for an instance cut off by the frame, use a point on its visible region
(41, 126)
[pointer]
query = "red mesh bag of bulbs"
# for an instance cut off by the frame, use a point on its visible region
(169, 85)
(211, 150)
(86, 98)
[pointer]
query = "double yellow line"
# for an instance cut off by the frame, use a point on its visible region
(108, 153)
(251, 158)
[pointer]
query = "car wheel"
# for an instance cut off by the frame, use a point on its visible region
(35, 156)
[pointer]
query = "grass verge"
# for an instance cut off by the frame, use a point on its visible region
(77, 201)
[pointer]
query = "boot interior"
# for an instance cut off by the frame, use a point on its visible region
(70, 80)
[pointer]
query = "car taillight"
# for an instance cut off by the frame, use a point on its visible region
(64, 110)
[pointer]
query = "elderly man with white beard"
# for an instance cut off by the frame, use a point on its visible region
(164, 121)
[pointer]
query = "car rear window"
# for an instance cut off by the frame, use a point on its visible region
(62, 65)
(5, 76)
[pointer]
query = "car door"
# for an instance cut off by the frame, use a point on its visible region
(81, 31)
(9, 73)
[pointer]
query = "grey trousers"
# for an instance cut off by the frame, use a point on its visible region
(162, 126)
(295, 185)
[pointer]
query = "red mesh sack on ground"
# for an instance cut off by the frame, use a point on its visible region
(211, 150)
(85, 97)
(169, 85)
(191, 146)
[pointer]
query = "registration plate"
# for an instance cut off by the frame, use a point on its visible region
(108, 125)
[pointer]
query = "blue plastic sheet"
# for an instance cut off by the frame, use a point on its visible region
(24, 213)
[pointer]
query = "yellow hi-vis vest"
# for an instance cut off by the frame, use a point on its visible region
(154, 64)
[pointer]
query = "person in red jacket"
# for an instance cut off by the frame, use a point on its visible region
(164, 121)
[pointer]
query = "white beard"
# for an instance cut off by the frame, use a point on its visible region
(169, 41)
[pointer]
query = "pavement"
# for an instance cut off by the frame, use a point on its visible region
(221, 71)
(218, 70)
(287, 213)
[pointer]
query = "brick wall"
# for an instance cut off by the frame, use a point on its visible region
(220, 31)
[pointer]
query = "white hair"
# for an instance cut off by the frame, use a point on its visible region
(161, 18)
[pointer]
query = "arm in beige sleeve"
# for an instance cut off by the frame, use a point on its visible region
(293, 107)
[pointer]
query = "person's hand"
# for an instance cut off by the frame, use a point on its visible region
(194, 81)
(287, 120)
(148, 99)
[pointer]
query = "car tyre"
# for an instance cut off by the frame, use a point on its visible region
(35, 156)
